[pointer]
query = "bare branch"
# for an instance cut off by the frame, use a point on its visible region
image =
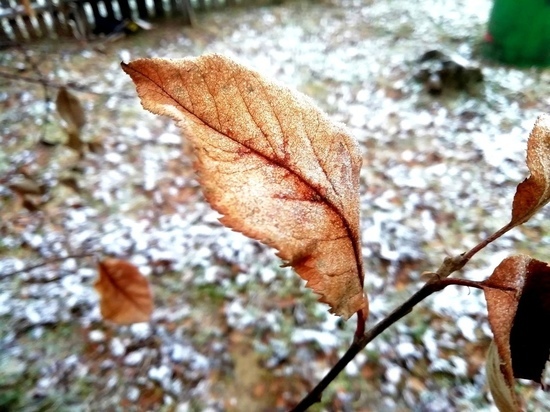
(437, 282)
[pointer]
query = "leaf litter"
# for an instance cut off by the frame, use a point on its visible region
(436, 171)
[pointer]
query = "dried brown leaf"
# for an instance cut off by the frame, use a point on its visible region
(27, 186)
(125, 295)
(518, 302)
(70, 110)
(534, 192)
(503, 393)
(30, 205)
(74, 141)
(96, 147)
(70, 181)
(271, 162)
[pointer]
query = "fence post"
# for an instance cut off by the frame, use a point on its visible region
(12, 21)
(125, 9)
(189, 13)
(44, 28)
(142, 9)
(159, 9)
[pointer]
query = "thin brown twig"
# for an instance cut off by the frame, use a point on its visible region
(435, 284)
(56, 85)
(47, 262)
(468, 255)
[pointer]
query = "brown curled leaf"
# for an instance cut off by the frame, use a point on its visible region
(125, 295)
(70, 110)
(518, 303)
(534, 192)
(271, 162)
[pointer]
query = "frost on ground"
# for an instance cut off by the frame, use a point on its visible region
(231, 329)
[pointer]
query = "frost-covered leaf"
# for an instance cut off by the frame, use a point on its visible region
(518, 302)
(534, 192)
(271, 162)
(125, 295)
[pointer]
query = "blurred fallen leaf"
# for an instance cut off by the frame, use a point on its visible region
(70, 182)
(277, 168)
(125, 294)
(96, 147)
(26, 186)
(30, 205)
(71, 111)
(74, 141)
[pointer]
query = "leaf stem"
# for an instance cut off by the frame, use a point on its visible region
(361, 322)
(468, 255)
(437, 282)
(69, 85)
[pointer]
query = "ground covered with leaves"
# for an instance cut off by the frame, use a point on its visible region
(232, 330)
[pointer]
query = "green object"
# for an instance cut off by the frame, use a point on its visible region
(519, 32)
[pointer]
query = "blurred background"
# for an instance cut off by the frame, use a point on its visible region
(441, 96)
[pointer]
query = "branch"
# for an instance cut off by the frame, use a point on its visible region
(47, 262)
(468, 255)
(49, 83)
(437, 282)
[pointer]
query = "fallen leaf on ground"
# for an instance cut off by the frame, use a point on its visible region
(71, 111)
(26, 186)
(125, 294)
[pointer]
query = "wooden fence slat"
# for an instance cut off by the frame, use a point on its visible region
(66, 11)
(4, 36)
(174, 9)
(142, 9)
(57, 22)
(59, 18)
(125, 9)
(17, 33)
(30, 27)
(187, 12)
(44, 28)
(84, 27)
(95, 10)
(159, 9)
(109, 7)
